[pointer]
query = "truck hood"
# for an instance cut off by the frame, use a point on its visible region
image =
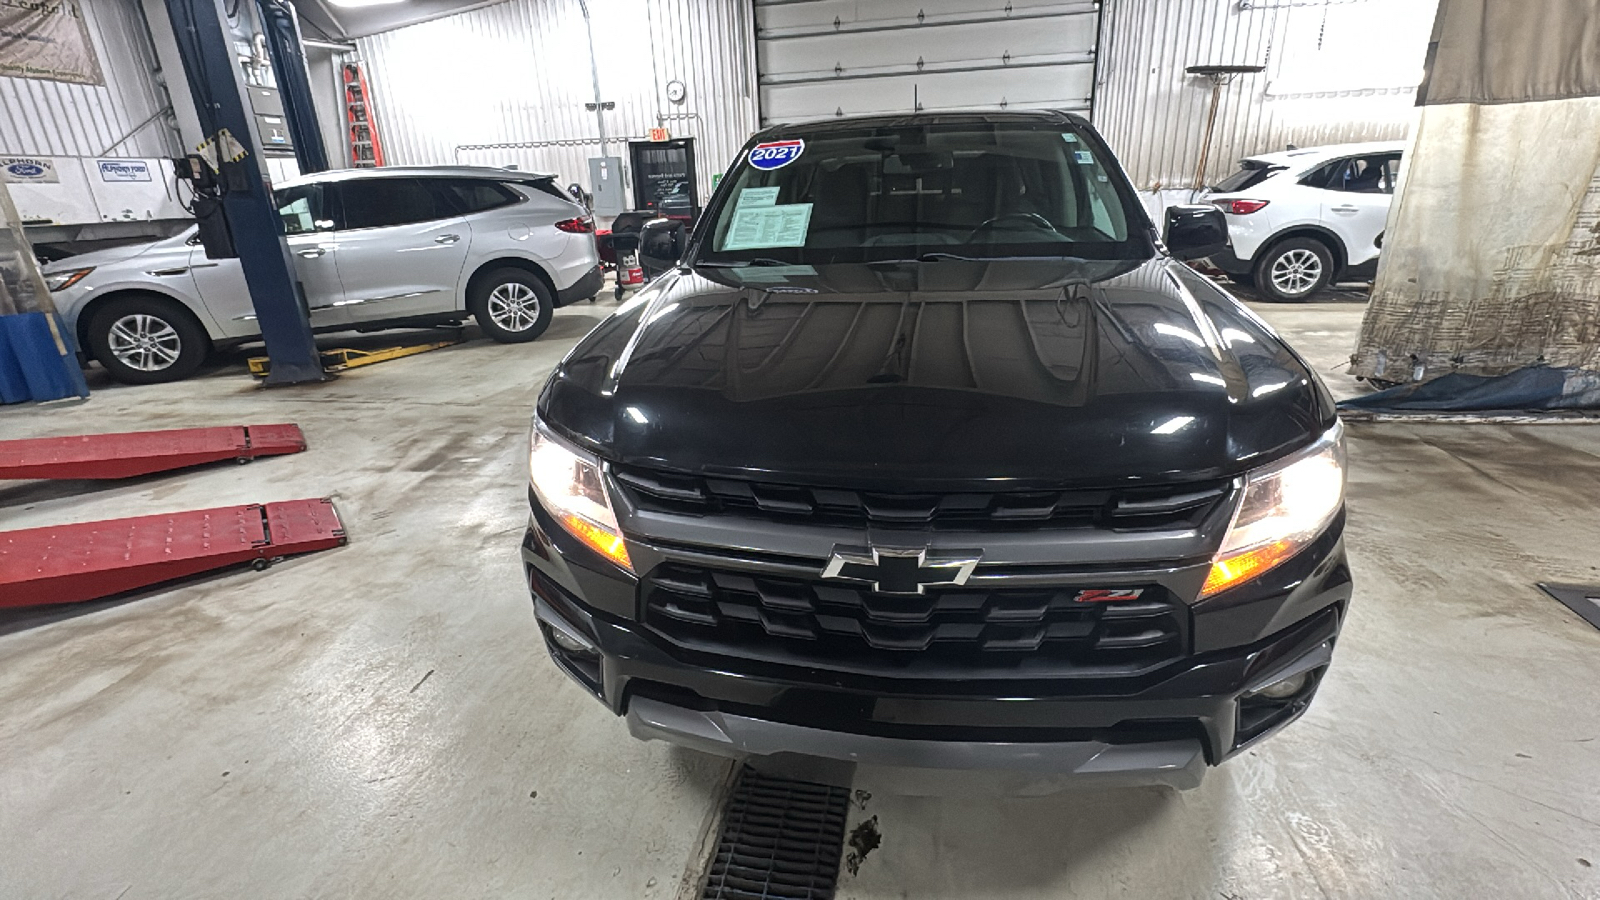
(907, 376)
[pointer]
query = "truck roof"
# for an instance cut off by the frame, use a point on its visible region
(950, 117)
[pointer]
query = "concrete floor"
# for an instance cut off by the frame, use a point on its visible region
(381, 721)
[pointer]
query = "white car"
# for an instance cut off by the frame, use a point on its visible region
(372, 248)
(1302, 219)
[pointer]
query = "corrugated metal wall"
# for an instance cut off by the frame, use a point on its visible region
(1336, 71)
(518, 73)
(48, 118)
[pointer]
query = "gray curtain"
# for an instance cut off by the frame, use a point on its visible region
(1513, 51)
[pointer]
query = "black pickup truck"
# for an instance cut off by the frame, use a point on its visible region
(926, 453)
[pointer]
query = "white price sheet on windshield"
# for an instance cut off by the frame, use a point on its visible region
(759, 227)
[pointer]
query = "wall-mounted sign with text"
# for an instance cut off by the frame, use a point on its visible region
(123, 170)
(28, 170)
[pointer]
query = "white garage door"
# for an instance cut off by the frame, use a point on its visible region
(822, 58)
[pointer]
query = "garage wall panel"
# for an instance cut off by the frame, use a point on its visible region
(506, 84)
(841, 57)
(327, 98)
(1336, 71)
(48, 118)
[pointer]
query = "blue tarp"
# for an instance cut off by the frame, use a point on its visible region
(31, 367)
(1533, 388)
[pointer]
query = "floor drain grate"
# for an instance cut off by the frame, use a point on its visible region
(780, 840)
(1583, 599)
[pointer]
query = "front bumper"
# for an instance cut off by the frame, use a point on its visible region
(796, 749)
(1030, 736)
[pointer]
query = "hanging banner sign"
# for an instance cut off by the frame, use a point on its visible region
(28, 170)
(49, 40)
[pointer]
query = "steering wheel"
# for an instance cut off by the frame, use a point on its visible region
(1028, 217)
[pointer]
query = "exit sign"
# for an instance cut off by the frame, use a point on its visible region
(659, 134)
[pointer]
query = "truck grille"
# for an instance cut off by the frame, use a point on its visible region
(958, 631)
(1123, 509)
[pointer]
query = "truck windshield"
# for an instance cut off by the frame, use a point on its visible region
(980, 190)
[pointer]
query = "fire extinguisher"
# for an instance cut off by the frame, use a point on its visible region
(630, 274)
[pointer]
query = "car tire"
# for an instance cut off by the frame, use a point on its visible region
(1293, 270)
(511, 305)
(145, 339)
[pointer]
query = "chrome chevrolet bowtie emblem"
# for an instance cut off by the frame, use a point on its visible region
(901, 571)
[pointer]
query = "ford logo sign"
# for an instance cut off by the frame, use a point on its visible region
(25, 170)
(776, 154)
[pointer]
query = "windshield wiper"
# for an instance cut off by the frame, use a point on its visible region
(926, 257)
(741, 263)
(937, 256)
(941, 256)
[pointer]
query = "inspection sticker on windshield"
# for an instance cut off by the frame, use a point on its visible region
(757, 227)
(1084, 157)
(776, 154)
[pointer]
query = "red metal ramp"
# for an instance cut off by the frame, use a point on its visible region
(142, 452)
(72, 563)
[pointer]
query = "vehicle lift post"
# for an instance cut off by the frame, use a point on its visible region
(282, 27)
(205, 44)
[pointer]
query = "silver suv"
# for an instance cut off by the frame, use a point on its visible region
(372, 248)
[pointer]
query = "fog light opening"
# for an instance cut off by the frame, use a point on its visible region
(573, 651)
(1283, 688)
(575, 657)
(1273, 705)
(569, 643)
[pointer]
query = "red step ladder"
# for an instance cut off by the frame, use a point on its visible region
(142, 452)
(365, 149)
(73, 563)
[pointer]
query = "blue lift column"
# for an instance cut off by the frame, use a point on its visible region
(205, 45)
(282, 27)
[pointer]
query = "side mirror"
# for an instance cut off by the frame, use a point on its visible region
(580, 195)
(661, 245)
(1195, 231)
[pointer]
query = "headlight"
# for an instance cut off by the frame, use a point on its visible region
(60, 281)
(1285, 507)
(569, 484)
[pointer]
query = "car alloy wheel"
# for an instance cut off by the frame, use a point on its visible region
(144, 342)
(513, 306)
(1296, 271)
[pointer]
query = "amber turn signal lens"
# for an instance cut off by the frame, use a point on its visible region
(1226, 573)
(601, 540)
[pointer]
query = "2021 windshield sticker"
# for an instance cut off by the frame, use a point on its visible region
(776, 154)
